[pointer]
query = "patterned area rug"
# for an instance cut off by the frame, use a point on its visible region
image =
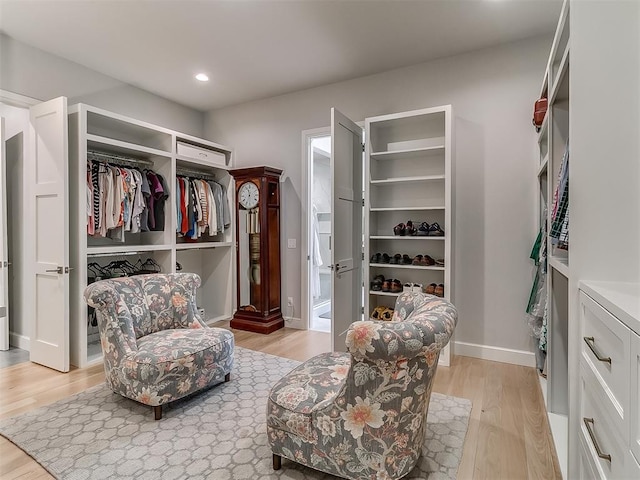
(218, 434)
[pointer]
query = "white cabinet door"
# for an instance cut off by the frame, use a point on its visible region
(346, 226)
(4, 261)
(48, 219)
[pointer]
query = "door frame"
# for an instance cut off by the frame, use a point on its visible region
(306, 220)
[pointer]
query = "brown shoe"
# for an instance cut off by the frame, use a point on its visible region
(396, 286)
(439, 291)
(430, 289)
(427, 261)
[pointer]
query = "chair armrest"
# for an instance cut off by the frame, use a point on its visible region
(184, 301)
(114, 319)
(427, 329)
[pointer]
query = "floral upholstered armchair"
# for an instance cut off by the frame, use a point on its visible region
(362, 414)
(156, 347)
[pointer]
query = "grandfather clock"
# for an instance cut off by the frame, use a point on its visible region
(258, 249)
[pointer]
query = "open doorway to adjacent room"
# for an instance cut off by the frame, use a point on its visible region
(319, 232)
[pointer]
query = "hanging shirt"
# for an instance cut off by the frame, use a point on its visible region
(178, 212)
(217, 196)
(138, 202)
(161, 195)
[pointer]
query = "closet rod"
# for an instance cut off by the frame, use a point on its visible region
(119, 254)
(185, 172)
(117, 159)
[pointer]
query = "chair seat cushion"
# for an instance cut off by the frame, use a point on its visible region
(305, 390)
(180, 353)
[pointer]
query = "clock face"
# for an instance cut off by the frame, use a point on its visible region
(248, 195)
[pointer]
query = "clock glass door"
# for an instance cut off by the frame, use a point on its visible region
(249, 260)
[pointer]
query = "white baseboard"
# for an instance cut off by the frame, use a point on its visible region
(20, 341)
(292, 322)
(495, 354)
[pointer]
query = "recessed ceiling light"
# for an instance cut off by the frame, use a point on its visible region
(203, 77)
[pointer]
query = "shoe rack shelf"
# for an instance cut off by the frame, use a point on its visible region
(408, 176)
(405, 209)
(410, 267)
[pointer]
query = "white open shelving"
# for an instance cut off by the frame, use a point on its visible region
(552, 140)
(408, 176)
(211, 257)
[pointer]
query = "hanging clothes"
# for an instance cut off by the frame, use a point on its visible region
(118, 200)
(559, 232)
(536, 310)
(201, 207)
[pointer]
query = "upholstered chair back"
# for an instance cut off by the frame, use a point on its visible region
(146, 304)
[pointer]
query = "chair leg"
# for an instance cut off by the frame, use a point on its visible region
(277, 462)
(157, 410)
(227, 377)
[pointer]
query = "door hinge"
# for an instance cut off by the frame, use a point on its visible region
(362, 255)
(363, 147)
(363, 202)
(362, 310)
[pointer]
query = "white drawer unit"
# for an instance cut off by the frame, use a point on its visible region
(609, 393)
(605, 349)
(634, 400)
(606, 447)
(588, 470)
(204, 155)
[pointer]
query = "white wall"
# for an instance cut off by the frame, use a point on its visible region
(34, 73)
(492, 93)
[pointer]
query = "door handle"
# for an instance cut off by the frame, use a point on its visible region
(590, 341)
(58, 270)
(587, 423)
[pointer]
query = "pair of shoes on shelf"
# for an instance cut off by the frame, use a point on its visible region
(399, 259)
(412, 287)
(385, 258)
(382, 313)
(392, 286)
(376, 284)
(435, 289)
(423, 260)
(402, 229)
(432, 230)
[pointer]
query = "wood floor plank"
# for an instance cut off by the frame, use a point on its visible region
(503, 397)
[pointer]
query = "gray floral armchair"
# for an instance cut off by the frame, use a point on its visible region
(362, 414)
(156, 347)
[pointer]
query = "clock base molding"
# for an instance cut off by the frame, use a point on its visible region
(264, 325)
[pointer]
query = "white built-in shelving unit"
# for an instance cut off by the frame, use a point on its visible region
(408, 176)
(168, 153)
(552, 141)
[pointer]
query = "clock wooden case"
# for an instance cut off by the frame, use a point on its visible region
(258, 249)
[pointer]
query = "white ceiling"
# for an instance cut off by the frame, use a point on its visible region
(258, 49)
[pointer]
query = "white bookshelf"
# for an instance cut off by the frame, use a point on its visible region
(408, 176)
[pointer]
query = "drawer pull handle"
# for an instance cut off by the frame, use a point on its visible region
(587, 423)
(590, 341)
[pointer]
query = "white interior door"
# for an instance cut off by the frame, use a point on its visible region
(346, 226)
(48, 207)
(4, 260)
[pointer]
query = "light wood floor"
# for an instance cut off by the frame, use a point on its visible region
(508, 437)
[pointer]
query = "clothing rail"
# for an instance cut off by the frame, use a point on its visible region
(185, 172)
(117, 159)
